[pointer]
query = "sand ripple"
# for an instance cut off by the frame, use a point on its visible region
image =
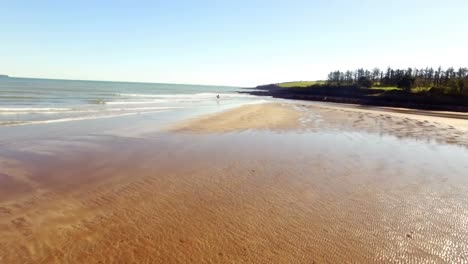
(322, 192)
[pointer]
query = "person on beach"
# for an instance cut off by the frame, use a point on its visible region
(217, 96)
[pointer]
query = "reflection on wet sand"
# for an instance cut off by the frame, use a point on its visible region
(402, 126)
(337, 187)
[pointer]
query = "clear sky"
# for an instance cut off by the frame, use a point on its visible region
(239, 42)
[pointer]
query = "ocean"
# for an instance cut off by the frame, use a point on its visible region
(37, 101)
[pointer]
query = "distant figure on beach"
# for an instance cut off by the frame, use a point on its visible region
(217, 96)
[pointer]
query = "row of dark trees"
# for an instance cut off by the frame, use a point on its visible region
(451, 79)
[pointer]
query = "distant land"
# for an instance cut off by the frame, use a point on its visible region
(299, 84)
(428, 89)
(4, 76)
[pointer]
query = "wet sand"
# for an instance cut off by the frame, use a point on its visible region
(271, 116)
(305, 184)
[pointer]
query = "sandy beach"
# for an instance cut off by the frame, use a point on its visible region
(262, 183)
(272, 116)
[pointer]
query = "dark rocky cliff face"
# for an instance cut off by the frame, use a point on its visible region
(355, 95)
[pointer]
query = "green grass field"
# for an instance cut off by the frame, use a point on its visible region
(390, 88)
(299, 84)
(383, 89)
(420, 89)
(394, 88)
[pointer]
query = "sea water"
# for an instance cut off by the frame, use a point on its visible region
(32, 101)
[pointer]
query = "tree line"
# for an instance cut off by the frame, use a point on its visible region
(448, 79)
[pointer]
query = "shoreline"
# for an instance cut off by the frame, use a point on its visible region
(277, 116)
(317, 118)
(456, 119)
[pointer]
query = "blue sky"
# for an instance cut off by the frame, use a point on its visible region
(226, 42)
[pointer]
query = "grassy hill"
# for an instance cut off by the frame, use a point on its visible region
(299, 84)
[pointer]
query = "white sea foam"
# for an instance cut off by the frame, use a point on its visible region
(29, 113)
(197, 95)
(20, 123)
(75, 111)
(143, 108)
(176, 98)
(261, 101)
(32, 109)
(134, 102)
